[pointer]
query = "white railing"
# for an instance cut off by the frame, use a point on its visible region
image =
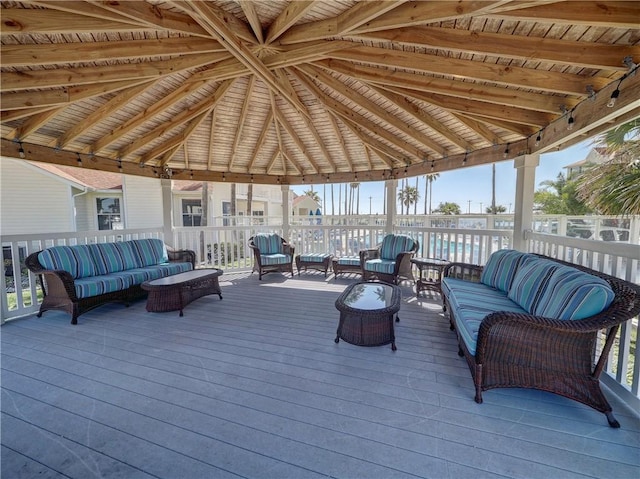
(226, 247)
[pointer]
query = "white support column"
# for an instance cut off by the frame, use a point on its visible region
(285, 211)
(525, 187)
(391, 204)
(167, 211)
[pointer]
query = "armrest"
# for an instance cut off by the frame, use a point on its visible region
(371, 253)
(57, 280)
(182, 256)
(466, 271)
(288, 249)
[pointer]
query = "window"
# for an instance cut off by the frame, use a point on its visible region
(226, 211)
(191, 212)
(109, 216)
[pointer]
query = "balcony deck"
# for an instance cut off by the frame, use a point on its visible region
(254, 386)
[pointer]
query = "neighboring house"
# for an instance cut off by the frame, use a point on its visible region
(304, 205)
(46, 198)
(596, 156)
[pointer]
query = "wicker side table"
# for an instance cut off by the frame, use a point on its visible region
(173, 293)
(430, 274)
(317, 261)
(367, 310)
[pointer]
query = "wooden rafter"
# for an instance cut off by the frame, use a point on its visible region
(241, 121)
(290, 15)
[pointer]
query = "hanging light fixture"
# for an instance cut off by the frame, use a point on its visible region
(21, 152)
(570, 121)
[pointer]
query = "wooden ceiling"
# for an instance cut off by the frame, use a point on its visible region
(291, 92)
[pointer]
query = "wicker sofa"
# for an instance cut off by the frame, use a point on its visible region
(531, 321)
(78, 278)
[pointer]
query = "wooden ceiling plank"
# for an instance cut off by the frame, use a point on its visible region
(272, 160)
(261, 139)
(32, 124)
(216, 25)
(246, 104)
(401, 101)
(147, 114)
(478, 128)
(522, 130)
(364, 12)
(176, 142)
(252, 16)
(518, 47)
(60, 53)
(499, 112)
(296, 139)
(386, 151)
(603, 13)
(370, 106)
(551, 81)
(345, 112)
(293, 12)
(338, 135)
(443, 86)
(104, 111)
(13, 115)
(66, 77)
(210, 157)
(28, 99)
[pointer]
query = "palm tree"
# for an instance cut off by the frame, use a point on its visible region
(352, 191)
(249, 211)
(408, 196)
(415, 205)
(613, 187)
(448, 208)
(493, 188)
(333, 205)
(430, 178)
(313, 195)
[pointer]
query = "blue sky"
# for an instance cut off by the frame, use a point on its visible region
(469, 184)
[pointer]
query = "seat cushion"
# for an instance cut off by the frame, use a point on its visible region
(501, 268)
(471, 303)
(96, 285)
(150, 251)
(574, 294)
(161, 270)
(76, 260)
(393, 245)
(314, 257)
(349, 261)
(385, 266)
(277, 258)
(530, 283)
(268, 243)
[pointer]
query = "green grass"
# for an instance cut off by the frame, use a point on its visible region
(12, 298)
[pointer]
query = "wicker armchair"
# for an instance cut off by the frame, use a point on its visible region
(271, 253)
(391, 260)
(561, 356)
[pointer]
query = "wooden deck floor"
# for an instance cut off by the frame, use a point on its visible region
(254, 386)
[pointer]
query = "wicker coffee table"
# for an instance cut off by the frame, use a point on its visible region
(367, 310)
(173, 293)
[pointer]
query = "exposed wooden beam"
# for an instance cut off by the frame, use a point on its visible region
(290, 15)
(56, 53)
(176, 142)
(551, 81)
(216, 24)
(384, 77)
(33, 123)
(252, 16)
(241, 121)
(519, 47)
(370, 107)
(601, 13)
(266, 124)
(67, 77)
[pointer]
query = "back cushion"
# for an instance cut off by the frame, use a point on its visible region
(150, 251)
(501, 268)
(268, 243)
(76, 260)
(393, 245)
(107, 257)
(573, 294)
(530, 283)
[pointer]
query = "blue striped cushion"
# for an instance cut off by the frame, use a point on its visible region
(471, 303)
(88, 287)
(150, 251)
(314, 257)
(501, 268)
(393, 245)
(107, 258)
(380, 265)
(128, 254)
(268, 243)
(276, 258)
(76, 260)
(531, 282)
(162, 270)
(573, 294)
(349, 260)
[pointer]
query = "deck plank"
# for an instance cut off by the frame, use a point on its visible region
(254, 386)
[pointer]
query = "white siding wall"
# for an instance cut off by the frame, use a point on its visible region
(31, 202)
(85, 219)
(142, 202)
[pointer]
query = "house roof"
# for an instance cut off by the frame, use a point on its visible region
(99, 180)
(292, 92)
